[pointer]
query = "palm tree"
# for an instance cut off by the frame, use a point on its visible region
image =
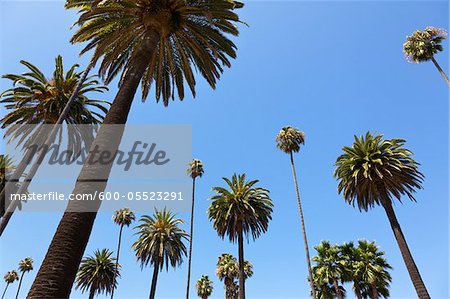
(98, 273)
(288, 141)
(242, 210)
(204, 287)
(7, 167)
(35, 101)
(195, 170)
(329, 266)
(25, 265)
(9, 278)
(326, 290)
(160, 242)
(154, 42)
(228, 270)
(422, 45)
(375, 171)
(371, 268)
(122, 217)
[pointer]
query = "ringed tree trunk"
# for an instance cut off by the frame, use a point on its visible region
(58, 270)
(191, 239)
(241, 265)
(20, 284)
(4, 292)
(413, 271)
(154, 280)
(357, 291)
(374, 291)
(436, 64)
(336, 288)
(302, 221)
(92, 293)
(116, 268)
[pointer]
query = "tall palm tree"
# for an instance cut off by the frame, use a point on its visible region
(25, 265)
(422, 45)
(160, 242)
(228, 270)
(241, 211)
(329, 266)
(98, 273)
(204, 287)
(194, 170)
(289, 140)
(375, 171)
(156, 42)
(35, 101)
(9, 278)
(371, 268)
(122, 217)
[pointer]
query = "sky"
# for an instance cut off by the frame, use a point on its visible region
(331, 69)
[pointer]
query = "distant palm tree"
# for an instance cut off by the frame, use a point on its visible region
(326, 290)
(195, 170)
(375, 171)
(25, 265)
(122, 217)
(288, 141)
(422, 45)
(242, 210)
(35, 100)
(228, 270)
(7, 168)
(204, 287)
(372, 269)
(156, 43)
(160, 242)
(98, 274)
(329, 266)
(9, 278)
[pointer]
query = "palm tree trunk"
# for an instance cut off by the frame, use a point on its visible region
(20, 169)
(404, 249)
(58, 270)
(4, 292)
(191, 239)
(92, 293)
(336, 288)
(357, 291)
(116, 268)
(374, 291)
(154, 280)
(436, 64)
(20, 284)
(302, 220)
(241, 265)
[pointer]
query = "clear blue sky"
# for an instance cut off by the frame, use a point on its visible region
(332, 69)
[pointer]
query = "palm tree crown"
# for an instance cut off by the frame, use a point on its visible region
(195, 169)
(289, 139)
(123, 217)
(373, 170)
(98, 273)
(35, 100)
(26, 265)
(423, 44)
(190, 32)
(204, 287)
(160, 240)
(242, 208)
(11, 276)
(329, 266)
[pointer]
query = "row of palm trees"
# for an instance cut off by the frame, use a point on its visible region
(364, 266)
(159, 42)
(25, 265)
